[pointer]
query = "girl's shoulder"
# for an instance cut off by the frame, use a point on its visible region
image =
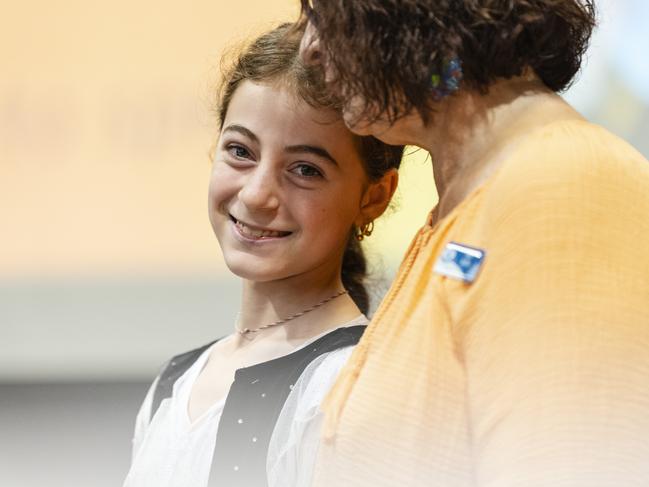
(171, 371)
(293, 446)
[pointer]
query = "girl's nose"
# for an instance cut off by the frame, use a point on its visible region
(260, 191)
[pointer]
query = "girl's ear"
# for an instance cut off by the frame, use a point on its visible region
(377, 197)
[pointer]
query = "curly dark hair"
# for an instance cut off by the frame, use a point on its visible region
(274, 57)
(388, 50)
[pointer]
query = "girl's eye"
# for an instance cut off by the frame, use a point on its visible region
(306, 171)
(238, 151)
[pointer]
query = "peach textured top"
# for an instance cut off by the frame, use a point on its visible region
(537, 374)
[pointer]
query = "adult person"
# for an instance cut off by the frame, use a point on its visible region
(292, 191)
(513, 346)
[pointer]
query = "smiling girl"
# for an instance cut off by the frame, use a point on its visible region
(292, 192)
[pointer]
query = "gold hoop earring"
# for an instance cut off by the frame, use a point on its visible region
(365, 231)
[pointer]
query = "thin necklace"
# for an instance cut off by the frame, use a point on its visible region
(245, 331)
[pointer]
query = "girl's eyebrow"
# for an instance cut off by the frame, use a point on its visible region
(243, 131)
(311, 149)
(291, 149)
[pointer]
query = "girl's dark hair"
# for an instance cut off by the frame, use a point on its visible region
(274, 57)
(388, 50)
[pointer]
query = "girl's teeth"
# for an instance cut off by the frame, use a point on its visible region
(255, 233)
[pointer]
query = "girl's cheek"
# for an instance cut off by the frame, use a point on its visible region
(222, 177)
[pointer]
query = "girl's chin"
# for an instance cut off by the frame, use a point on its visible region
(246, 268)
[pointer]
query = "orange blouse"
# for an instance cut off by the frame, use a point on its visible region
(535, 374)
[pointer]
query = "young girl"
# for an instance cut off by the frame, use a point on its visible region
(291, 194)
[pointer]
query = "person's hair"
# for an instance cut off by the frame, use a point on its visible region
(388, 50)
(274, 57)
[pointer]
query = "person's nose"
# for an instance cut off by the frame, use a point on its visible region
(260, 190)
(310, 47)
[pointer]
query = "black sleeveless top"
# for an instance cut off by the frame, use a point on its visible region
(252, 406)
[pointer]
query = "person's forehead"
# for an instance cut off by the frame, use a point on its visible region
(279, 101)
(277, 115)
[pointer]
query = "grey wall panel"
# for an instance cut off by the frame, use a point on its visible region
(67, 435)
(110, 329)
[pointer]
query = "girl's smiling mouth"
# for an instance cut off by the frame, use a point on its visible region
(250, 232)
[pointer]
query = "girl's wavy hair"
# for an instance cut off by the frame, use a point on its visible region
(274, 57)
(388, 50)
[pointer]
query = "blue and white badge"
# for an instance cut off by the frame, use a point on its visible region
(460, 262)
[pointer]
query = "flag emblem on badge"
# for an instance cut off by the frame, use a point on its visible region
(460, 262)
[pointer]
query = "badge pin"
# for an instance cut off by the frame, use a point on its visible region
(460, 262)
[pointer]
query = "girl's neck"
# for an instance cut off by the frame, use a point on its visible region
(268, 302)
(473, 133)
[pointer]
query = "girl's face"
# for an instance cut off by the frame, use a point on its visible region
(286, 188)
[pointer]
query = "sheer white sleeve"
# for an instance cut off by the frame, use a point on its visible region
(294, 444)
(142, 420)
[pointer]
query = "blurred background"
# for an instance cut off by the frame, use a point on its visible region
(108, 265)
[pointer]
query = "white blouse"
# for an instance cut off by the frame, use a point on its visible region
(171, 451)
(294, 445)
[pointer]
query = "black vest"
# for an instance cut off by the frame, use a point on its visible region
(252, 407)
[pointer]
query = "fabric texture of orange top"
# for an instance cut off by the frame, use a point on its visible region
(537, 373)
